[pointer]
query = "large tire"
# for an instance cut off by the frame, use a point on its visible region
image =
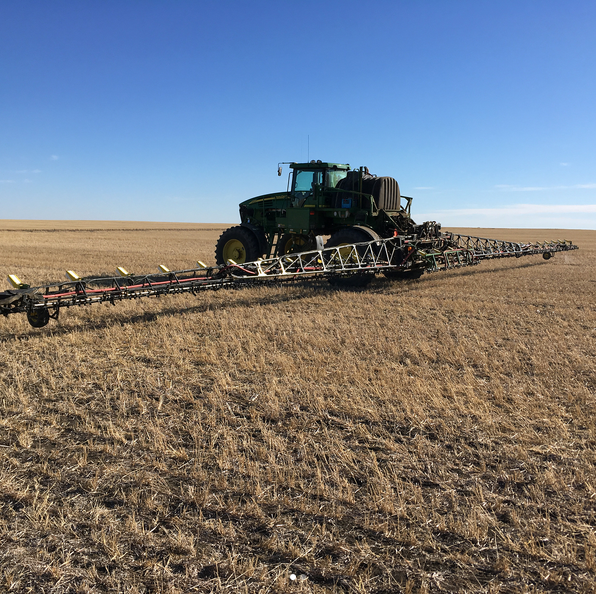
(292, 243)
(239, 244)
(347, 236)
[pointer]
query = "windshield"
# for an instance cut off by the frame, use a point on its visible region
(304, 179)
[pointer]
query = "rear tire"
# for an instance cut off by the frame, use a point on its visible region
(348, 236)
(239, 244)
(292, 243)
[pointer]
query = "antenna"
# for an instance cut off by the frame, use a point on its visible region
(308, 149)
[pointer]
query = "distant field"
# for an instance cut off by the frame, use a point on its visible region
(23, 225)
(425, 436)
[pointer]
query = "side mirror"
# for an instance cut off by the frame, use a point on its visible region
(279, 171)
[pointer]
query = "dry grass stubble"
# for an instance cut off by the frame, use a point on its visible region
(417, 437)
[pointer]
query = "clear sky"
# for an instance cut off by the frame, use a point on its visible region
(484, 111)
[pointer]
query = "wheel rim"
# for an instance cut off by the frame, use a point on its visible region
(234, 250)
(294, 244)
(345, 252)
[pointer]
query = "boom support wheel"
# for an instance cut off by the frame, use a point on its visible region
(38, 318)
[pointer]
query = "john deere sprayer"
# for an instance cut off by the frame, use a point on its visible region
(280, 238)
(322, 199)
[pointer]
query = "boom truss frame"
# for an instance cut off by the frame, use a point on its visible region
(394, 254)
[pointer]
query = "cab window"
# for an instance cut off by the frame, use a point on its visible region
(304, 180)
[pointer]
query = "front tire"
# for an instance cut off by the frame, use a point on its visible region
(237, 243)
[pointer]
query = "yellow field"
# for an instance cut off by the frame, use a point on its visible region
(425, 436)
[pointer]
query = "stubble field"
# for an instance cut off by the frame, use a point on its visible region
(425, 436)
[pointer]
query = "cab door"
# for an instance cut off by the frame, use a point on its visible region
(303, 186)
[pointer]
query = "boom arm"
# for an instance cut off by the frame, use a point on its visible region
(383, 255)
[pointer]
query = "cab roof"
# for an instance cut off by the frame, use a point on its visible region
(319, 165)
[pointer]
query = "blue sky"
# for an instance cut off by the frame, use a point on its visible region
(484, 111)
